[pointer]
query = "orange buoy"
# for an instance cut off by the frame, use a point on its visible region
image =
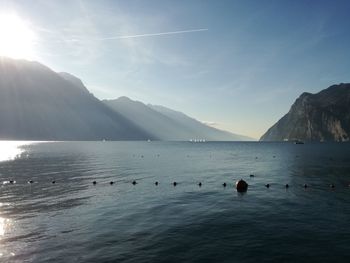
(241, 186)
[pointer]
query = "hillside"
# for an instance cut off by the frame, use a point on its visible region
(324, 116)
(37, 103)
(167, 124)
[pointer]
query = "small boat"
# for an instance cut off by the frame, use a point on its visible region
(298, 142)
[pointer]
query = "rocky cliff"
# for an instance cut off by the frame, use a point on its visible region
(324, 116)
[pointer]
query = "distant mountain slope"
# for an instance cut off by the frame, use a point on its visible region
(162, 127)
(200, 128)
(73, 80)
(37, 103)
(166, 124)
(324, 116)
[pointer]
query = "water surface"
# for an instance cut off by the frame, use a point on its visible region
(73, 220)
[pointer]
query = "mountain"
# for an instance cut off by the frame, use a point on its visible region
(195, 126)
(167, 124)
(74, 80)
(324, 116)
(37, 103)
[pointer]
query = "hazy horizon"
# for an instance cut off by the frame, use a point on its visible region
(235, 65)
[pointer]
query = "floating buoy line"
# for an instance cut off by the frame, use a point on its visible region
(240, 185)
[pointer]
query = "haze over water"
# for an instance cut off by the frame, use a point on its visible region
(76, 221)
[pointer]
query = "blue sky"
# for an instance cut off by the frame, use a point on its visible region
(241, 71)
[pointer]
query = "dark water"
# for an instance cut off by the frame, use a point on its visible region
(75, 221)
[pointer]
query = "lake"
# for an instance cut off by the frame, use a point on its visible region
(50, 210)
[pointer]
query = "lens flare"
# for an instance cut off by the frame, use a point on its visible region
(16, 37)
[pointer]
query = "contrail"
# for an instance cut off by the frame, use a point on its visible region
(154, 34)
(137, 36)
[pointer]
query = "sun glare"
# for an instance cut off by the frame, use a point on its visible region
(16, 37)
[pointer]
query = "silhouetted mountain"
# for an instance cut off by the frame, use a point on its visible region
(37, 103)
(198, 127)
(73, 80)
(166, 124)
(324, 116)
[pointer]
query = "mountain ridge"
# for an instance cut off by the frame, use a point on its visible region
(168, 124)
(37, 103)
(323, 116)
(183, 118)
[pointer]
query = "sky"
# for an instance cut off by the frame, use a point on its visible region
(236, 65)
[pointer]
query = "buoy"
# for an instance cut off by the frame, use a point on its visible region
(332, 186)
(53, 182)
(134, 182)
(200, 184)
(267, 185)
(94, 182)
(287, 185)
(241, 186)
(30, 181)
(174, 183)
(224, 185)
(305, 186)
(252, 175)
(156, 183)
(111, 182)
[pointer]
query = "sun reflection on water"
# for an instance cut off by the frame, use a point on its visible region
(10, 150)
(5, 224)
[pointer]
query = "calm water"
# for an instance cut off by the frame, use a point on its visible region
(76, 221)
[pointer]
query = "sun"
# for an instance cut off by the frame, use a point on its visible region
(16, 37)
